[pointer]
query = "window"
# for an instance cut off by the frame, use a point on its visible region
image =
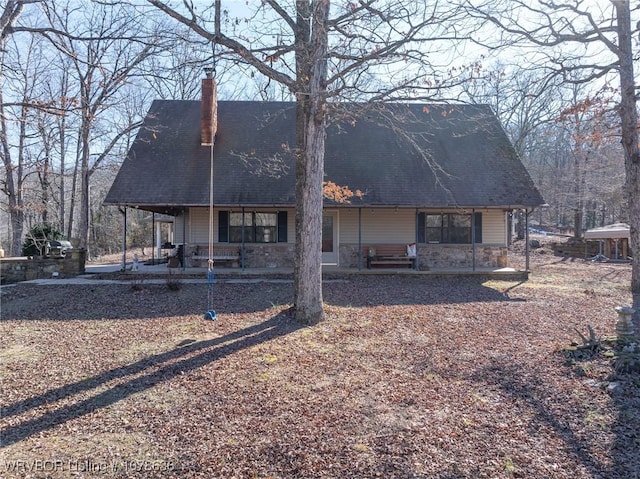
(451, 228)
(434, 228)
(459, 231)
(257, 227)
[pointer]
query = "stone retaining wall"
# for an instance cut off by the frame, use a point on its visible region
(13, 270)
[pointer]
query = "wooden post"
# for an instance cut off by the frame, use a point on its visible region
(360, 239)
(526, 239)
(124, 239)
(473, 239)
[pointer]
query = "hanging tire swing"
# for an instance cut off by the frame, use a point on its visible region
(210, 314)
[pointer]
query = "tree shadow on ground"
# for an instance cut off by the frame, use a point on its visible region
(143, 374)
(149, 301)
(626, 447)
(414, 290)
(137, 300)
(527, 389)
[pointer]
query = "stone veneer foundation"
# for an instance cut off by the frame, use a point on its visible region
(430, 256)
(439, 256)
(274, 255)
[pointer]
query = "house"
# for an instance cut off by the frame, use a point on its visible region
(445, 177)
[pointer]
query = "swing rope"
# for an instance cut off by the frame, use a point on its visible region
(211, 314)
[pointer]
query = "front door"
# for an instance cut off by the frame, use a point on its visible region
(330, 237)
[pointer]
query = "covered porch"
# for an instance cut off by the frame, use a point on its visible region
(392, 240)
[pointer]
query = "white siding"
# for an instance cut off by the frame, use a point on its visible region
(348, 220)
(391, 226)
(382, 225)
(178, 230)
(494, 227)
(199, 226)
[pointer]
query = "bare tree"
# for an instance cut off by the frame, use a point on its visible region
(14, 173)
(363, 50)
(59, 88)
(176, 73)
(582, 43)
(587, 124)
(526, 103)
(12, 184)
(10, 13)
(88, 105)
(629, 133)
(106, 47)
(20, 82)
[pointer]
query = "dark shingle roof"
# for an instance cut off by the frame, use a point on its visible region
(398, 154)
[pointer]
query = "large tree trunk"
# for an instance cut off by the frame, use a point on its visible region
(16, 214)
(44, 172)
(308, 270)
(62, 198)
(62, 125)
(14, 181)
(311, 72)
(83, 222)
(629, 125)
(72, 200)
(577, 222)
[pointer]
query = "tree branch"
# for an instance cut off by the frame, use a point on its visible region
(246, 54)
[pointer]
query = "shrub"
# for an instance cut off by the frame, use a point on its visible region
(173, 284)
(37, 237)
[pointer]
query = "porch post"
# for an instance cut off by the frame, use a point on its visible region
(416, 265)
(360, 239)
(526, 237)
(473, 238)
(158, 240)
(153, 245)
(242, 249)
(124, 239)
(184, 236)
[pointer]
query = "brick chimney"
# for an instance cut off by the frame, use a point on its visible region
(209, 123)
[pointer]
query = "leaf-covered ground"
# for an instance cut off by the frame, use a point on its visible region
(409, 377)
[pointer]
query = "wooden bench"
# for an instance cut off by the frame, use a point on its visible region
(221, 254)
(387, 255)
